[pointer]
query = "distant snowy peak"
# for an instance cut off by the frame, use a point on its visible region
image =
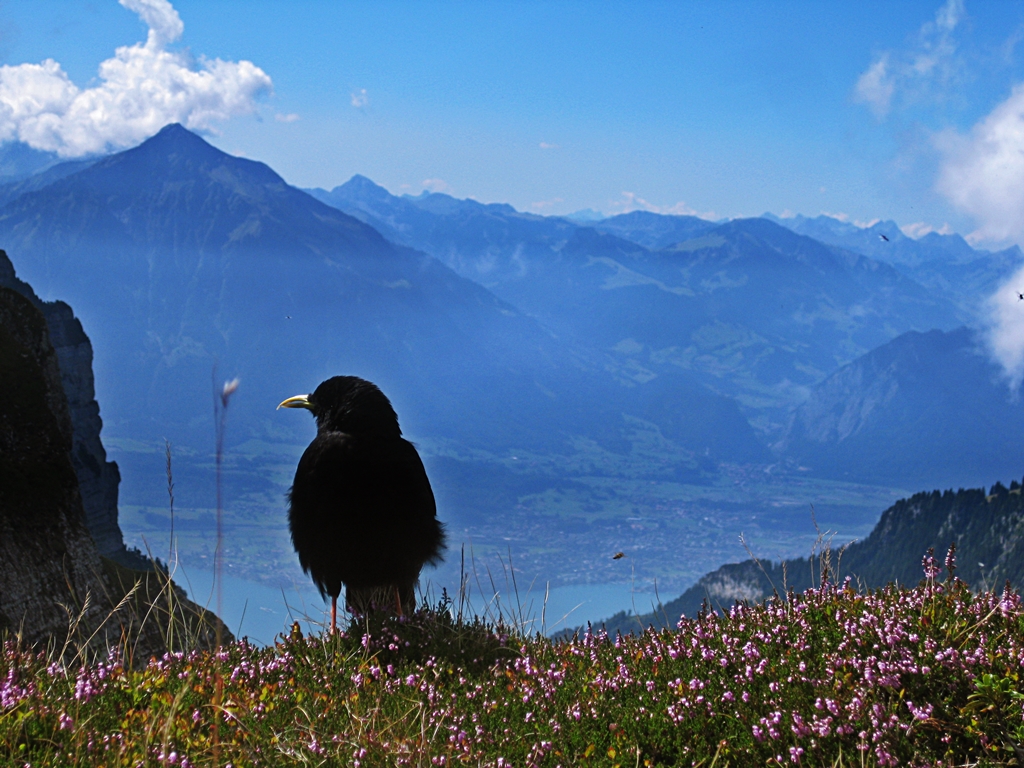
(883, 240)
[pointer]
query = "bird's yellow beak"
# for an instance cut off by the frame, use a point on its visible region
(299, 401)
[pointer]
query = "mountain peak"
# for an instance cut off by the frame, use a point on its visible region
(175, 154)
(361, 188)
(176, 138)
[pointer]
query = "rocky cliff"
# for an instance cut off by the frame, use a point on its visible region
(55, 588)
(98, 478)
(47, 559)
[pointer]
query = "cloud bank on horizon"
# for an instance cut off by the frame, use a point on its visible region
(980, 171)
(142, 88)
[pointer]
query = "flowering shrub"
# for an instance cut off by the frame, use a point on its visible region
(927, 676)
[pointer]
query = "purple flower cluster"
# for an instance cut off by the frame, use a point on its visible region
(918, 677)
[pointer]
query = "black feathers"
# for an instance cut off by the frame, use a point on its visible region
(361, 510)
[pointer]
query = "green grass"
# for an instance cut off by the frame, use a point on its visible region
(909, 677)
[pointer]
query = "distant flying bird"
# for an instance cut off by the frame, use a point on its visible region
(1020, 296)
(361, 509)
(618, 555)
(883, 237)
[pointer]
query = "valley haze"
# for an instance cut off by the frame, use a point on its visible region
(646, 383)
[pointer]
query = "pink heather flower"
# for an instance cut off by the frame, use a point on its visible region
(66, 723)
(931, 569)
(1009, 602)
(920, 713)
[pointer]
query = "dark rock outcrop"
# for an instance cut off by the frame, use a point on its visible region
(54, 585)
(47, 558)
(98, 478)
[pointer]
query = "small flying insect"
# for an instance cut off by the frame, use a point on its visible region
(883, 237)
(618, 555)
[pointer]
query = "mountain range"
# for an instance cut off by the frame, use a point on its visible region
(180, 255)
(944, 263)
(613, 381)
(748, 308)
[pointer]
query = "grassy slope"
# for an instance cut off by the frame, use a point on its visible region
(927, 676)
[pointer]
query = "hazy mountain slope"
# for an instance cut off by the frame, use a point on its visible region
(755, 311)
(19, 161)
(926, 408)
(180, 255)
(750, 308)
(491, 244)
(21, 186)
(654, 230)
(988, 531)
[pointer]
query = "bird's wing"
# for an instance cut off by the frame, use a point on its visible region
(364, 505)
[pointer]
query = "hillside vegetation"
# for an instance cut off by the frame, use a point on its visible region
(986, 529)
(909, 677)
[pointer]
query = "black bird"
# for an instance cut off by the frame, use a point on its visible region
(361, 509)
(884, 237)
(1020, 296)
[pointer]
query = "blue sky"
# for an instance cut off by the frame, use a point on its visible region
(868, 110)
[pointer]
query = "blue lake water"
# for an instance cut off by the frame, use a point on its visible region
(261, 612)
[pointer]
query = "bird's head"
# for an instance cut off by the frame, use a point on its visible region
(349, 404)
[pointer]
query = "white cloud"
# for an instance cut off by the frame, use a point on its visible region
(165, 25)
(545, 145)
(546, 205)
(289, 118)
(141, 89)
(847, 219)
(633, 202)
(982, 173)
(436, 185)
(360, 99)
(919, 229)
(1005, 334)
(876, 86)
(913, 73)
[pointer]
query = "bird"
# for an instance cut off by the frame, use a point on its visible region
(1020, 296)
(884, 237)
(618, 555)
(361, 510)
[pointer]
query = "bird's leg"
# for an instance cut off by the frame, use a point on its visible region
(398, 600)
(334, 614)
